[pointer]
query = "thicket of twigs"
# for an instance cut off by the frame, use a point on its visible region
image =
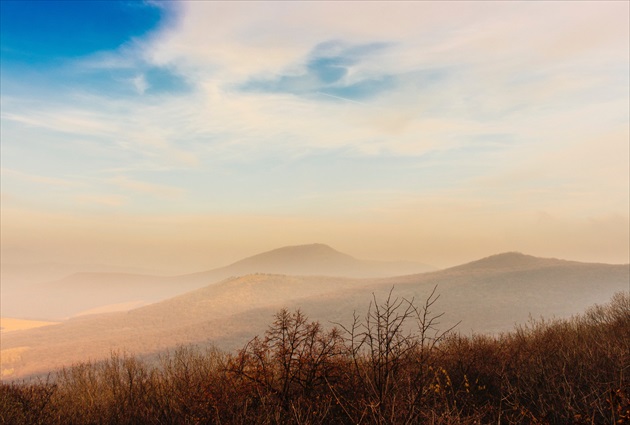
(391, 366)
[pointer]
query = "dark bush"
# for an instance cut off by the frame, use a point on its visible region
(393, 366)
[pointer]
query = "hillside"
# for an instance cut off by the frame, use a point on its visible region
(511, 261)
(560, 372)
(82, 292)
(308, 260)
(9, 324)
(489, 295)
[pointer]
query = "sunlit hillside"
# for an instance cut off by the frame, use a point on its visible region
(91, 292)
(373, 370)
(486, 296)
(9, 324)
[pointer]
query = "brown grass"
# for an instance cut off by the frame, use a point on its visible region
(390, 366)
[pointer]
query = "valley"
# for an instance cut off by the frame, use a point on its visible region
(488, 296)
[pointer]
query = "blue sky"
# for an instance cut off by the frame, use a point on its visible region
(40, 32)
(432, 131)
(45, 40)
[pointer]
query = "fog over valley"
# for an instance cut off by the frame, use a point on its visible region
(226, 307)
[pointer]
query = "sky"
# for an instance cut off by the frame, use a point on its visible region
(179, 136)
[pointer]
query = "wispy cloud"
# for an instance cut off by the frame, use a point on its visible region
(44, 180)
(140, 83)
(332, 67)
(104, 200)
(290, 107)
(162, 191)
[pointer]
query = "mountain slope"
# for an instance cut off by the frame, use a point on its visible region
(511, 261)
(79, 292)
(489, 295)
(309, 260)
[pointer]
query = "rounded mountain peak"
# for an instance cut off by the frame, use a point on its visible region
(509, 260)
(300, 259)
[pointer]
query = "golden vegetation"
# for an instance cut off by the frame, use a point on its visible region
(376, 370)
(11, 356)
(488, 296)
(9, 324)
(8, 357)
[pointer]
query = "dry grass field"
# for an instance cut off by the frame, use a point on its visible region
(488, 296)
(9, 324)
(368, 371)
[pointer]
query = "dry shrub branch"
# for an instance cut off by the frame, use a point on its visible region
(393, 365)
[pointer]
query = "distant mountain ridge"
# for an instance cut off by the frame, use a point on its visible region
(87, 291)
(310, 260)
(512, 260)
(488, 295)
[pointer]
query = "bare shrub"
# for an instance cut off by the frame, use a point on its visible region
(394, 366)
(287, 371)
(27, 403)
(390, 353)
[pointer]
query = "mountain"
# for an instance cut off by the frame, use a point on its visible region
(309, 260)
(314, 259)
(488, 295)
(83, 292)
(511, 261)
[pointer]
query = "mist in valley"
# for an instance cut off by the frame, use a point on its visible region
(87, 315)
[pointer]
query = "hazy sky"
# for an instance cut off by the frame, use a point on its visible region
(181, 136)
